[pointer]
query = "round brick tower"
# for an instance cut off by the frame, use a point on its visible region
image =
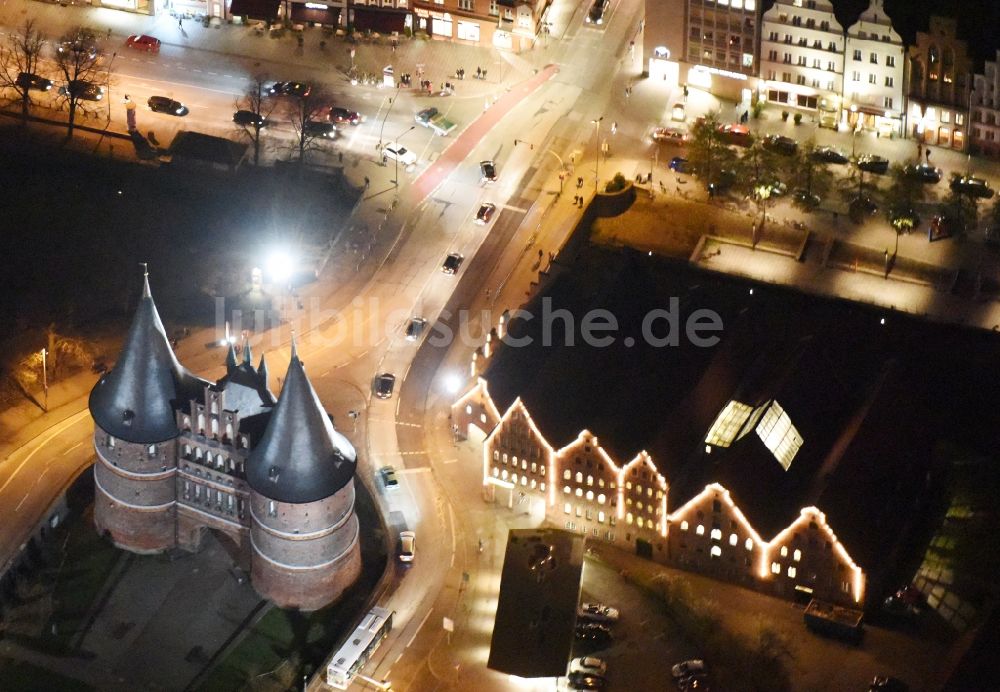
(303, 528)
(135, 434)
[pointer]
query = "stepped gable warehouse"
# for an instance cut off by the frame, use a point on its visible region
(789, 457)
(178, 455)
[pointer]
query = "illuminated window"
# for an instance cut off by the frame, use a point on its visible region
(784, 551)
(505, 458)
(791, 572)
(468, 409)
(639, 522)
(628, 485)
(566, 490)
(797, 555)
(542, 486)
(684, 526)
(590, 495)
(775, 568)
(541, 470)
(779, 435)
(534, 483)
(716, 535)
(503, 474)
(513, 478)
(567, 508)
(628, 518)
(716, 551)
(600, 499)
(524, 481)
(524, 465)
(728, 423)
(579, 492)
(579, 477)
(600, 517)
(151, 450)
(534, 467)
(748, 544)
(733, 539)
(590, 480)
(496, 455)
(567, 475)
(496, 472)
(579, 511)
(700, 530)
(600, 482)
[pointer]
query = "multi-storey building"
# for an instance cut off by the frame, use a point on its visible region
(939, 85)
(504, 24)
(802, 57)
(986, 109)
(874, 65)
(178, 456)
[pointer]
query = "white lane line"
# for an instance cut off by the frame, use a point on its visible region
(418, 629)
(71, 448)
(21, 502)
(451, 518)
(406, 472)
(195, 69)
(449, 461)
(56, 430)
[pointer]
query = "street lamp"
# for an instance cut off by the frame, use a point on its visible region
(396, 181)
(45, 379)
(392, 102)
(597, 150)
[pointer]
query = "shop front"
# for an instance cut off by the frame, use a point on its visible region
(315, 13)
(139, 6)
(266, 10)
(383, 20)
(870, 119)
(725, 84)
(938, 126)
(662, 69)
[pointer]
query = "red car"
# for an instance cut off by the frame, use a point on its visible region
(143, 42)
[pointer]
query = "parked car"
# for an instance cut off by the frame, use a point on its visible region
(976, 187)
(884, 683)
(597, 635)
(830, 155)
(162, 104)
(28, 80)
(586, 681)
(84, 42)
(737, 134)
(779, 144)
(861, 207)
(669, 135)
(343, 116)
(451, 263)
(807, 199)
(488, 171)
(678, 112)
(384, 384)
(249, 119)
(687, 668)
(943, 227)
(414, 328)
(82, 89)
(678, 164)
(388, 476)
(923, 172)
(723, 181)
(143, 42)
(870, 163)
(299, 89)
(395, 152)
(588, 664)
(320, 128)
(485, 213)
(693, 683)
(777, 188)
(598, 612)
(407, 545)
(596, 13)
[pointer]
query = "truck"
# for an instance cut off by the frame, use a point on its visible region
(834, 621)
(432, 119)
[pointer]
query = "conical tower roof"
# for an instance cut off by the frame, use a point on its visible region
(136, 400)
(301, 457)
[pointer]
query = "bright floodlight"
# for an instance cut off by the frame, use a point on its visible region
(452, 383)
(279, 266)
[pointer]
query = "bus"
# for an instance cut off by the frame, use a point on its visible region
(355, 652)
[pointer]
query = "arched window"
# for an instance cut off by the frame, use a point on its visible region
(700, 530)
(733, 539)
(215, 406)
(601, 499)
(639, 521)
(579, 492)
(579, 477)
(229, 430)
(567, 508)
(784, 551)
(775, 568)
(716, 551)
(716, 535)
(567, 475)
(590, 480)
(111, 442)
(797, 555)
(684, 526)
(590, 495)
(748, 544)
(215, 427)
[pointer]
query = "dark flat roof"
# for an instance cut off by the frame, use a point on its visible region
(536, 612)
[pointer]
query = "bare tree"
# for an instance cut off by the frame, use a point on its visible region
(254, 100)
(310, 117)
(78, 61)
(19, 58)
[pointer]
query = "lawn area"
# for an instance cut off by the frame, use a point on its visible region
(24, 677)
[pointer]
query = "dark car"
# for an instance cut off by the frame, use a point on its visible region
(485, 213)
(806, 198)
(870, 163)
(976, 187)
(597, 635)
(923, 172)
(723, 181)
(162, 104)
(678, 164)
(27, 80)
(414, 328)
(249, 119)
(84, 42)
(451, 263)
(693, 683)
(884, 683)
(779, 144)
(861, 207)
(388, 476)
(384, 384)
(488, 171)
(299, 89)
(596, 13)
(586, 681)
(143, 42)
(343, 116)
(315, 128)
(830, 155)
(82, 89)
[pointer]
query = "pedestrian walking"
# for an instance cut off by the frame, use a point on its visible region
(579, 183)
(581, 202)
(180, 23)
(340, 157)
(927, 152)
(367, 182)
(576, 199)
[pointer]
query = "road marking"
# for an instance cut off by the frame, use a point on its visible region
(418, 629)
(517, 209)
(21, 502)
(71, 448)
(409, 425)
(325, 373)
(449, 461)
(56, 430)
(451, 518)
(422, 469)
